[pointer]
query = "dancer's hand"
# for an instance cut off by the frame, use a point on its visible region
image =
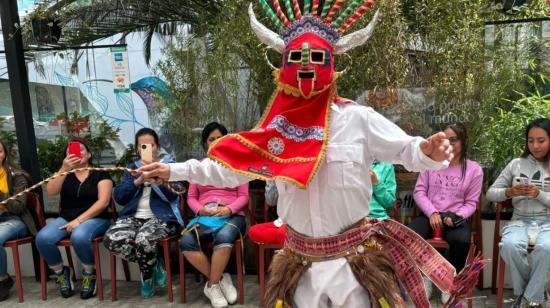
(155, 172)
(437, 147)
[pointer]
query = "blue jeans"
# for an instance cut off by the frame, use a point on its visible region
(226, 237)
(11, 227)
(527, 279)
(81, 238)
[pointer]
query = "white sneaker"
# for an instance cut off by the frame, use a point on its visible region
(215, 295)
(228, 289)
(445, 297)
(427, 286)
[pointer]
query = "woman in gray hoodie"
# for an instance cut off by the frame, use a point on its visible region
(526, 180)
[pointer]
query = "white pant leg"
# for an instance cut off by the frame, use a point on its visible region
(330, 284)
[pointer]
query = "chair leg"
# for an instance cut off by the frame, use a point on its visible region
(168, 266)
(261, 275)
(70, 259)
(495, 268)
(43, 278)
(112, 260)
(500, 290)
(97, 260)
(182, 277)
(240, 276)
(17, 267)
(126, 270)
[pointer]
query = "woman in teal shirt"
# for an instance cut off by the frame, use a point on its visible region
(383, 189)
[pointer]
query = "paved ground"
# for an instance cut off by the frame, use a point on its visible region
(128, 296)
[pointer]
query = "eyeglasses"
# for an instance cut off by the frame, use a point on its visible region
(453, 140)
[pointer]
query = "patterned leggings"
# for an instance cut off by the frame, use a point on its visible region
(136, 240)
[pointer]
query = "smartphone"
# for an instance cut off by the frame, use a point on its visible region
(74, 148)
(146, 152)
(522, 180)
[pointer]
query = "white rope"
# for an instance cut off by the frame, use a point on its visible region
(113, 169)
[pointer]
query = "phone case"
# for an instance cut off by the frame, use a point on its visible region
(146, 152)
(74, 148)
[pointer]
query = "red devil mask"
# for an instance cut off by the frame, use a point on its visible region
(308, 65)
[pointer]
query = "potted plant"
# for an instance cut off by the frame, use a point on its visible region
(44, 24)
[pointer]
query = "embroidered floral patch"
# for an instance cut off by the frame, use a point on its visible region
(275, 146)
(294, 132)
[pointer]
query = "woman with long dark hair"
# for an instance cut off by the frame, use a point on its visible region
(447, 198)
(526, 180)
(15, 219)
(84, 198)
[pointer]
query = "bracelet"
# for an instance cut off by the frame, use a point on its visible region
(79, 221)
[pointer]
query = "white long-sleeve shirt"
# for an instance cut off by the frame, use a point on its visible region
(339, 194)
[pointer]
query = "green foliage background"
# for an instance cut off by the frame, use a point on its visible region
(417, 43)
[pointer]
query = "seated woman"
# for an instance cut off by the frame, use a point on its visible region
(382, 177)
(526, 180)
(150, 213)
(85, 196)
(449, 196)
(15, 219)
(207, 202)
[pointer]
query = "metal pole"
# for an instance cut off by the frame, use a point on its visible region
(19, 88)
(20, 97)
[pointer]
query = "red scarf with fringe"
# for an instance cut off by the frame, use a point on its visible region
(288, 143)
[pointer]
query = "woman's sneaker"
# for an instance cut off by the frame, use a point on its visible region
(5, 286)
(89, 285)
(215, 295)
(63, 280)
(228, 289)
(159, 274)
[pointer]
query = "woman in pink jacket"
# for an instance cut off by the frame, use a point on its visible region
(220, 219)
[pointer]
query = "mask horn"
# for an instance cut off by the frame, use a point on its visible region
(356, 38)
(265, 35)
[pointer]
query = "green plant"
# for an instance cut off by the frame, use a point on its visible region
(128, 157)
(502, 136)
(52, 153)
(10, 140)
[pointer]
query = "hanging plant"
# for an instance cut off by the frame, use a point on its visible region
(44, 25)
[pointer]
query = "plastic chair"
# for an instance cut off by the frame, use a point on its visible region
(496, 255)
(35, 207)
(238, 249)
(164, 244)
(66, 242)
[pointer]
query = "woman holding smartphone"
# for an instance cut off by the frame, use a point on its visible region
(84, 198)
(223, 207)
(526, 180)
(448, 197)
(150, 213)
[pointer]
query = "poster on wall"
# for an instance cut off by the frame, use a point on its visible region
(121, 73)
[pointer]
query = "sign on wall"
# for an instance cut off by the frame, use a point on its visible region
(121, 73)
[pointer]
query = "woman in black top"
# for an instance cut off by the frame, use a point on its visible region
(84, 196)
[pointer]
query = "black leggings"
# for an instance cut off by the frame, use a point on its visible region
(458, 239)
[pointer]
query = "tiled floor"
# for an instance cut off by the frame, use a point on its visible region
(128, 296)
